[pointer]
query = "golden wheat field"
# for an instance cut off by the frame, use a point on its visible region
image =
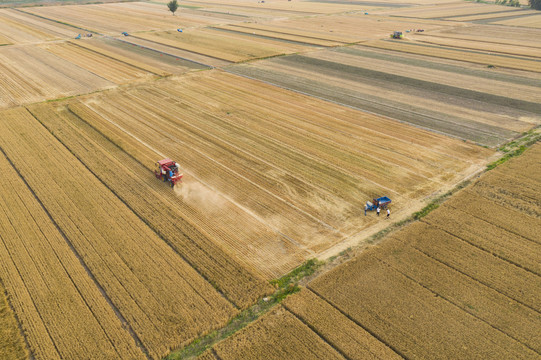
(285, 118)
(463, 274)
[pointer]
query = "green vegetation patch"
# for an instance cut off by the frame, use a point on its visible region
(285, 286)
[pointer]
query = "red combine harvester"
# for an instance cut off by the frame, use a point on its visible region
(167, 170)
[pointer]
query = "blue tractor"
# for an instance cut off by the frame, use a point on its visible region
(382, 202)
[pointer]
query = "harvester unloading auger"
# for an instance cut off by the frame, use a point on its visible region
(168, 170)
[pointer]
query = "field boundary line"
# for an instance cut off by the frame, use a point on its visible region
(371, 112)
(113, 58)
(179, 48)
(117, 312)
(158, 51)
(19, 323)
(448, 300)
(508, 230)
(497, 52)
(476, 280)
(311, 327)
(73, 282)
(480, 247)
(398, 352)
(147, 223)
(56, 21)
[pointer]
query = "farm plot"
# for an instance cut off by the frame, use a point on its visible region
(496, 34)
(331, 30)
(273, 9)
(477, 57)
(272, 337)
(479, 45)
(23, 28)
(532, 21)
(244, 145)
(480, 268)
(189, 231)
(340, 332)
(37, 266)
(31, 74)
(11, 341)
(412, 319)
(112, 69)
(425, 93)
(217, 44)
(164, 301)
(17, 31)
(115, 18)
(449, 10)
(153, 58)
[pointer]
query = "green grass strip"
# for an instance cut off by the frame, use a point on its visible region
(285, 286)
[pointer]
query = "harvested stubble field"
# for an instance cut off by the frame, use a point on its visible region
(118, 72)
(112, 19)
(219, 44)
(244, 147)
(31, 74)
(475, 105)
(150, 293)
(531, 21)
(332, 30)
(446, 52)
(22, 28)
(448, 10)
(463, 282)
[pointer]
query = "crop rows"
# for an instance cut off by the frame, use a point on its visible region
(532, 21)
(182, 226)
(402, 97)
(116, 18)
(105, 67)
(489, 237)
(38, 266)
(410, 317)
(273, 337)
(123, 59)
(32, 74)
(451, 285)
(484, 303)
(340, 332)
(253, 144)
(456, 54)
(12, 344)
(480, 45)
(164, 301)
(214, 43)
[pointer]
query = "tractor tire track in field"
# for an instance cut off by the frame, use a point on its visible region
(117, 312)
(200, 152)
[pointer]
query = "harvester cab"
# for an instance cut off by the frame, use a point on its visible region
(168, 170)
(397, 35)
